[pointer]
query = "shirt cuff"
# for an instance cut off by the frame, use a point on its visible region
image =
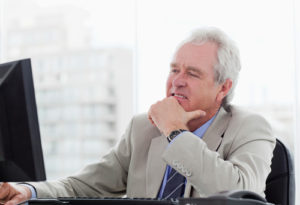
(32, 190)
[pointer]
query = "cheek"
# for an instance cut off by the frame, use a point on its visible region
(203, 95)
(169, 83)
(168, 86)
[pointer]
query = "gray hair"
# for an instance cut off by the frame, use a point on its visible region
(228, 60)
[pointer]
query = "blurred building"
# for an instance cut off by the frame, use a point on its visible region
(83, 93)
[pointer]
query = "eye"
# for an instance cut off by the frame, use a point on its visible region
(174, 70)
(193, 74)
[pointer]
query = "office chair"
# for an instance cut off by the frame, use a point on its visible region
(280, 184)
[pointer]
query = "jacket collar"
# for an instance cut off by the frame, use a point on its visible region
(214, 134)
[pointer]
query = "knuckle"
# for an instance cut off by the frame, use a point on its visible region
(15, 200)
(159, 102)
(11, 202)
(150, 110)
(19, 197)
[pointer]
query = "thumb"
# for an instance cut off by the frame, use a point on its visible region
(195, 114)
(17, 199)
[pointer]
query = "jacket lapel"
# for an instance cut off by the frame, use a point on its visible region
(213, 138)
(155, 166)
(214, 134)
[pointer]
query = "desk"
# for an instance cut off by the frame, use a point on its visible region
(132, 201)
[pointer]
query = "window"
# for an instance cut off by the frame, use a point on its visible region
(96, 64)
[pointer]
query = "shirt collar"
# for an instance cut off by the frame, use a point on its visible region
(201, 130)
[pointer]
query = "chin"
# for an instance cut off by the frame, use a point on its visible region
(185, 107)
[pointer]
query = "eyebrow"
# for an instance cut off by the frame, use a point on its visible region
(173, 65)
(189, 68)
(194, 69)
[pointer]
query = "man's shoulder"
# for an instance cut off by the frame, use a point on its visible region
(243, 117)
(140, 122)
(142, 117)
(238, 112)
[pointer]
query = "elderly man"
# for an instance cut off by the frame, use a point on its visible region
(192, 143)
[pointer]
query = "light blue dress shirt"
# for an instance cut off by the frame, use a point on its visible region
(199, 132)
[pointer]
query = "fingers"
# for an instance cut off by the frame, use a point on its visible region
(16, 200)
(1, 191)
(4, 191)
(196, 114)
(150, 118)
(150, 113)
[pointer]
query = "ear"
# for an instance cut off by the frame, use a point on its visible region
(224, 89)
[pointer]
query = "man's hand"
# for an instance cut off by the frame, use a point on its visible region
(13, 194)
(168, 115)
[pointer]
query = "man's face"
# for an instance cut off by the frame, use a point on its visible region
(191, 78)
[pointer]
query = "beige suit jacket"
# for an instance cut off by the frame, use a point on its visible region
(235, 153)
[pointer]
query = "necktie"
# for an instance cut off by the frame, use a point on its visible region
(175, 185)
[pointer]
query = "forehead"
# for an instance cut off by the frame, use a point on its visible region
(202, 55)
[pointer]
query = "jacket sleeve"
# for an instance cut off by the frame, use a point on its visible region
(242, 162)
(108, 177)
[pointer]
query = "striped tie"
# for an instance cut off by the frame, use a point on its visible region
(175, 185)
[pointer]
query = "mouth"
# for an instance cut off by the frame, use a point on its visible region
(179, 96)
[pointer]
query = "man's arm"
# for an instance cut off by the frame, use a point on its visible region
(102, 179)
(247, 151)
(245, 162)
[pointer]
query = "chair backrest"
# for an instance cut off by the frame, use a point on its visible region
(280, 185)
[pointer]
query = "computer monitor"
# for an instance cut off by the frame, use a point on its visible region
(21, 157)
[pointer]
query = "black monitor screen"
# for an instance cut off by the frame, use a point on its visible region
(21, 157)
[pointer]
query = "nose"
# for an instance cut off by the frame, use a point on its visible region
(179, 81)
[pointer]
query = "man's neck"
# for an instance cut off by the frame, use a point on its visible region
(196, 123)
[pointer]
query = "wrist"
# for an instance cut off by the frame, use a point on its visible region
(174, 134)
(29, 190)
(168, 131)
